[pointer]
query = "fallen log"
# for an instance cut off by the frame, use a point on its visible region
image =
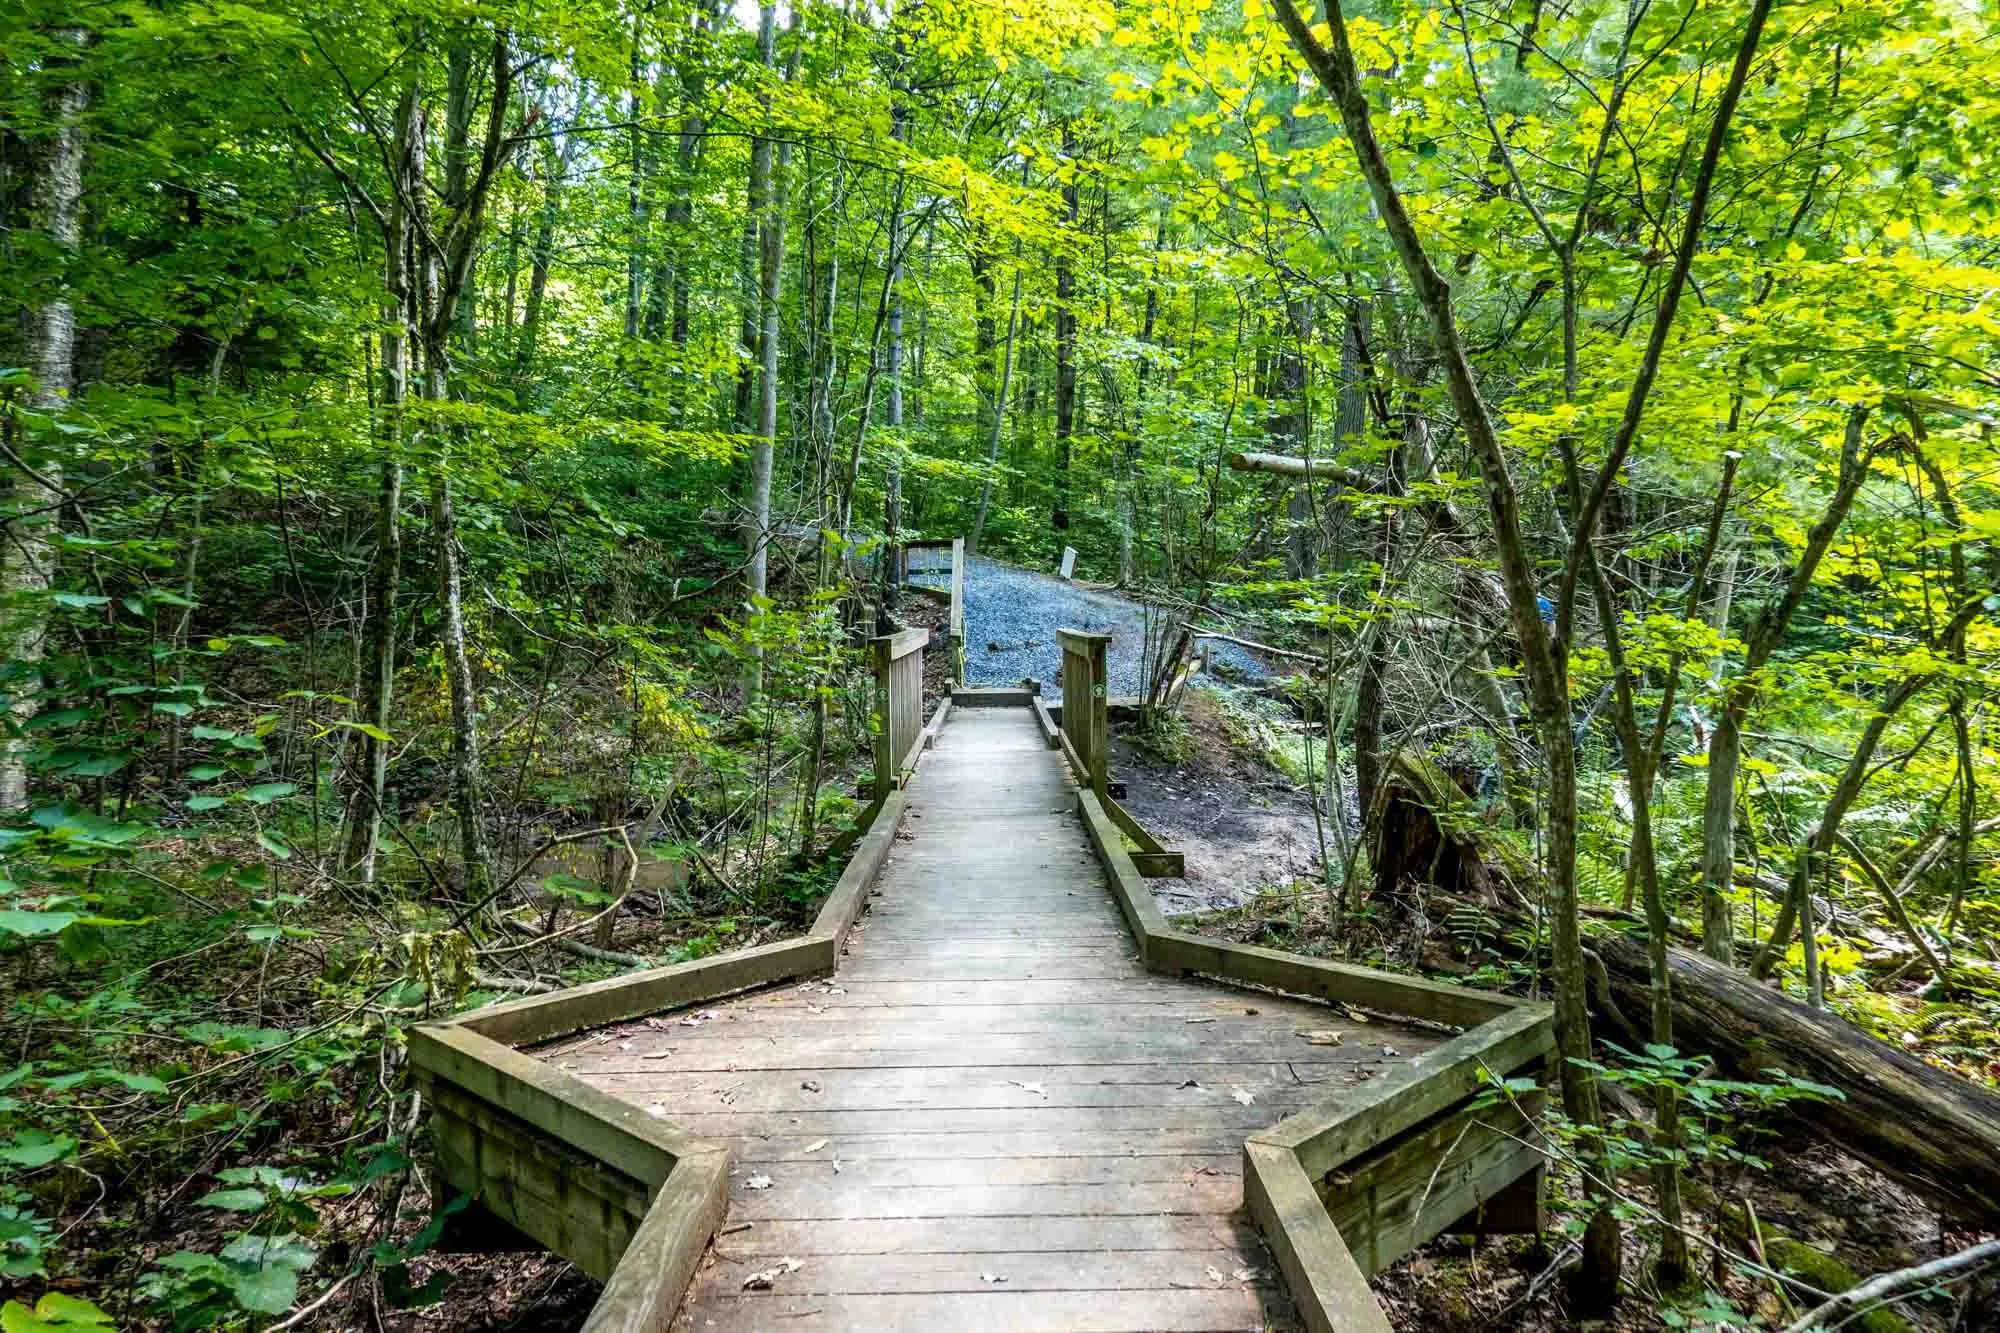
(1933, 1131)
(1937, 1133)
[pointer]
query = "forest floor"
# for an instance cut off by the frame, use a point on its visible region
(1248, 833)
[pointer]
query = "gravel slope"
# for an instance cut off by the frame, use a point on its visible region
(1011, 619)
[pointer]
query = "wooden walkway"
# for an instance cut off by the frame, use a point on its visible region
(992, 1117)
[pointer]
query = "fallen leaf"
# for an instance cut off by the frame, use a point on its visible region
(758, 1182)
(1242, 1096)
(656, 1055)
(992, 1277)
(1250, 1010)
(836, 1166)
(1246, 1274)
(1209, 1019)
(1320, 1036)
(810, 1085)
(1388, 1050)
(815, 1008)
(1354, 1014)
(1214, 1275)
(657, 1110)
(815, 1145)
(1190, 1083)
(764, 1278)
(1035, 1088)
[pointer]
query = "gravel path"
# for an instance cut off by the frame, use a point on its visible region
(1011, 619)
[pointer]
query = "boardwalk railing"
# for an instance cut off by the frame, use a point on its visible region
(898, 660)
(952, 592)
(623, 1194)
(1340, 1190)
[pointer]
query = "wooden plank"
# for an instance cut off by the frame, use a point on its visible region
(843, 905)
(1128, 887)
(541, 1017)
(1328, 1288)
(960, 1235)
(578, 1208)
(991, 697)
(1354, 1122)
(1160, 865)
(1131, 827)
(1230, 1308)
(645, 1289)
(1416, 997)
(568, 1110)
(1412, 1190)
(1024, 1271)
(1050, 731)
(823, 1196)
(979, 1173)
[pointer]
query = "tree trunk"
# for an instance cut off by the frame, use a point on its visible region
(760, 332)
(1725, 747)
(1065, 336)
(385, 567)
(30, 558)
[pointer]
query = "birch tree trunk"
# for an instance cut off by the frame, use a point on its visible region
(30, 549)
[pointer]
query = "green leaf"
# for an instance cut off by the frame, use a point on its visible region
(269, 1290)
(176, 708)
(36, 923)
(79, 599)
(204, 772)
(206, 802)
(236, 1201)
(53, 1313)
(35, 1148)
(266, 792)
(208, 733)
(273, 844)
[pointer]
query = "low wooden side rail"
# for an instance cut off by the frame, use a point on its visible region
(623, 1194)
(898, 660)
(1345, 1189)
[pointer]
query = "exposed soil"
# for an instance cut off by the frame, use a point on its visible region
(1241, 824)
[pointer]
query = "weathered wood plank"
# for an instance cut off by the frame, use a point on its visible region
(1437, 1002)
(1327, 1287)
(1230, 1308)
(644, 1290)
(1348, 1124)
(541, 1017)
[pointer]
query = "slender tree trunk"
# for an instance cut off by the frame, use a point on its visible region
(1725, 746)
(999, 415)
(551, 170)
(636, 202)
(385, 567)
(30, 555)
(892, 489)
(1065, 336)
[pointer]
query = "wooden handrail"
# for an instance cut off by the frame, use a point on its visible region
(1086, 702)
(898, 660)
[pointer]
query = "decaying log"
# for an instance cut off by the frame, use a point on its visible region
(1935, 1132)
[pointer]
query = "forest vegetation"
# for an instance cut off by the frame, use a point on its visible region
(449, 451)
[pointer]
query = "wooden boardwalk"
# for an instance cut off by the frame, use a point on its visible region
(992, 1117)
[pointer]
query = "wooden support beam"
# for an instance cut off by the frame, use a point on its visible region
(1329, 1289)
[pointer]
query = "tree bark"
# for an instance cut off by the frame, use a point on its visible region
(385, 567)
(1931, 1130)
(1065, 336)
(30, 557)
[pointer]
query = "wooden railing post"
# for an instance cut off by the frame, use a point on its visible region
(898, 661)
(955, 627)
(1086, 702)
